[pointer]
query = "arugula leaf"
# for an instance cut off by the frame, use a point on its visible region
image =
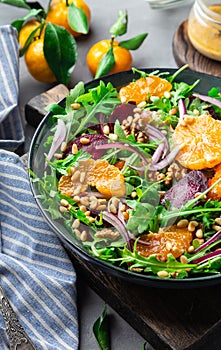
(100, 329)
(62, 166)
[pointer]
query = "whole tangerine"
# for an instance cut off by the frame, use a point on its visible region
(122, 56)
(36, 62)
(58, 13)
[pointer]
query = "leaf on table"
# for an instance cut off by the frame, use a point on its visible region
(100, 329)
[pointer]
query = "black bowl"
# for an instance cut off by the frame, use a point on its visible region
(36, 164)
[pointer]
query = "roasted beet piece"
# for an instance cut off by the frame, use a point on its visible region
(95, 139)
(185, 189)
(121, 112)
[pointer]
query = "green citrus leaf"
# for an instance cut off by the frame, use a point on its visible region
(20, 21)
(134, 43)
(120, 27)
(106, 63)
(34, 5)
(60, 50)
(77, 19)
(17, 3)
(101, 332)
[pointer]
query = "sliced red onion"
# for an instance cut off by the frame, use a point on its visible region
(182, 108)
(162, 164)
(214, 101)
(166, 161)
(59, 137)
(158, 153)
(123, 146)
(156, 134)
(207, 257)
(211, 240)
(117, 223)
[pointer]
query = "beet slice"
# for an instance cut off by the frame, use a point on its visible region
(95, 139)
(185, 189)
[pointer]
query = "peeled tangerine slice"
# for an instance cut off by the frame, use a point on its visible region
(200, 140)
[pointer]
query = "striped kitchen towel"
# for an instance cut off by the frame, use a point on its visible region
(35, 271)
(11, 129)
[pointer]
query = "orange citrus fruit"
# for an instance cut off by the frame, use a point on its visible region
(36, 62)
(27, 29)
(141, 89)
(215, 192)
(58, 13)
(122, 56)
(200, 141)
(107, 179)
(171, 240)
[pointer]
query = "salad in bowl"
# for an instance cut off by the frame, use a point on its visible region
(127, 170)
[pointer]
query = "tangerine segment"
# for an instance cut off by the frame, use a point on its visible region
(141, 89)
(215, 192)
(78, 180)
(171, 240)
(107, 179)
(200, 143)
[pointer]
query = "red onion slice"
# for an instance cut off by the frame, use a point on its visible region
(59, 137)
(214, 101)
(207, 257)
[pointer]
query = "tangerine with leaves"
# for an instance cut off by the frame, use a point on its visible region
(141, 89)
(59, 13)
(199, 139)
(122, 56)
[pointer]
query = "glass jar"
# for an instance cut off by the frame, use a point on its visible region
(204, 28)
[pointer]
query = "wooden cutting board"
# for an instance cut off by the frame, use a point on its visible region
(184, 53)
(168, 319)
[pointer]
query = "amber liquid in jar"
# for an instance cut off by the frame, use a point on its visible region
(204, 28)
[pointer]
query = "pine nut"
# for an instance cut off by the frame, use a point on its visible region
(74, 149)
(64, 202)
(82, 177)
(182, 223)
(83, 236)
(77, 232)
(76, 175)
(183, 259)
(93, 204)
(142, 104)
(84, 200)
(83, 208)
(58, 156)
(63, 146)
(84, 141)
(168, 246)
(76, 223)
(76, 199)
(216, 227)
(113, 209)
(199, 233)
(218, 221)
(191, 249)
(192, 226)
(167, 94)
(63, 209)
(162, 274)
(113, 137)
(106, 129)
(101, 207)
(75, 105)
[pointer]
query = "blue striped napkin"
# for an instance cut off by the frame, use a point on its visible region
(35, 270)
(11, 131)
